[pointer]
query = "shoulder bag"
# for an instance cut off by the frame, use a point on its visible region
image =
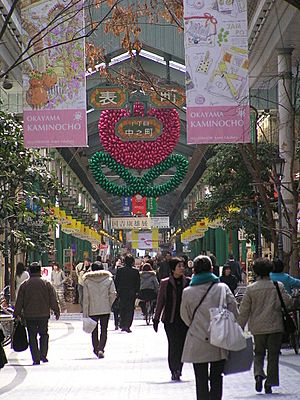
(19, 338)
(288, 322)
(225, 332)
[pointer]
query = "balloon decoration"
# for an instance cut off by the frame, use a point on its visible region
(139, 154)
(133, 148)
(144, 185)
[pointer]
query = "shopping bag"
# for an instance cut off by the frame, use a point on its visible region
(240, 361)
(19, 337)
(225, 332)
(88, 324)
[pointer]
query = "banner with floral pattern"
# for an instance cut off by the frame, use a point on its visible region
(217, 88)
(54, 74)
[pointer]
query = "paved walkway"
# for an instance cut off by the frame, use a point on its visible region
(134, 368)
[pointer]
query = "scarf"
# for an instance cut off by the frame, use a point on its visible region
(203, 277)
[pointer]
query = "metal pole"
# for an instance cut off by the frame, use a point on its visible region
(259, 247)
(6, 262)
(280, 241)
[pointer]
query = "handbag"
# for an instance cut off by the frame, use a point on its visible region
(240, 361)
(19, 337)
(88, 324)
(288, 322)
(225, 332)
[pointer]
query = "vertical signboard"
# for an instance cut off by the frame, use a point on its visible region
(126, 205)
(139, 204)
(54, 79)
(217, 87)
(151, 206)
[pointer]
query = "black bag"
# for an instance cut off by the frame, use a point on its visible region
(19, 339)
(288, 322)
(240, 361)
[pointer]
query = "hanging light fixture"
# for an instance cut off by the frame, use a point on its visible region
(7, 83)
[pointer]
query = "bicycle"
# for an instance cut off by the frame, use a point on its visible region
(6, 318)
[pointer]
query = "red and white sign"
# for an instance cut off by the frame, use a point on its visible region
(139, 205)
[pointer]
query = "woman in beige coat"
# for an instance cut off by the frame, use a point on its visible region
(197, 349)
(99, 293)
(261, 308)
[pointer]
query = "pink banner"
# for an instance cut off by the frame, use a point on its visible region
(218, 124)
(55, 128)
(217, 87)
(54, 80)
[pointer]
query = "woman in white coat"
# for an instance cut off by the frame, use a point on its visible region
(99, 293)
(204, 286)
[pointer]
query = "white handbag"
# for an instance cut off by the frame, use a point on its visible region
(88, 324)
(225, 332)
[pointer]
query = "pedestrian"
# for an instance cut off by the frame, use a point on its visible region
(163, 268)
(99, 293)
(58, 278)
(116, 304)
(278, 275)
(21, 276)
(216, 269)
(204, 286)
(188, 271)
(80, 270)
(261, 309)
(236, 269)
(228, 278)
(35, 299)
(168, 309)
(148, 286)
(128, 285)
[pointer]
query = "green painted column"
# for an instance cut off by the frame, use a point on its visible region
(235, 244)
(212, 240)
(221, 246)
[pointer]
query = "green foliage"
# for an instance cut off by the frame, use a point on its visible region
(27, 189)
(232, 196)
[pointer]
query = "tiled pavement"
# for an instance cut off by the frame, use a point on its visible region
(134, 368)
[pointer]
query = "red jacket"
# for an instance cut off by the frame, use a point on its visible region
(162, 296)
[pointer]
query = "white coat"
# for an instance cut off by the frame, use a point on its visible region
(99, 293)
(197, 348)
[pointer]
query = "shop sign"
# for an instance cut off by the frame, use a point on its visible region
(160, 222)
(131, 223)
(139, 128)
(169, 98)
(107, 97)
(138, 205)
(151, 206)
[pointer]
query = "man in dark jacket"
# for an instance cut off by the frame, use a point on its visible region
(163, 266)
(236, 269)
(128, 286)
(36, 297)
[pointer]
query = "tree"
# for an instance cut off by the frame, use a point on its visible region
(27, 192)
(233, 194)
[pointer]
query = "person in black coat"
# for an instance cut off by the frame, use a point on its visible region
(127, 283)
(228, 278)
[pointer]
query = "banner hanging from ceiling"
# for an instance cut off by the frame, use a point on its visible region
(217, 87)
(54, 80)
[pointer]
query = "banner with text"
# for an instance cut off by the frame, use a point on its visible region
(217, 87)
(54, 84)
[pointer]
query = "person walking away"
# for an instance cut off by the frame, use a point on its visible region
(35, 299)
(128, 285)
(116, 304)
(213, 259)
(80, 270)
(21, 276)
(58, 278)
(99, 293)
(204, 286)
(228, 278)
(236, 269)
(163, 270)
(277, 275)
(148, 287)
(261, 308)
(168, 309)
